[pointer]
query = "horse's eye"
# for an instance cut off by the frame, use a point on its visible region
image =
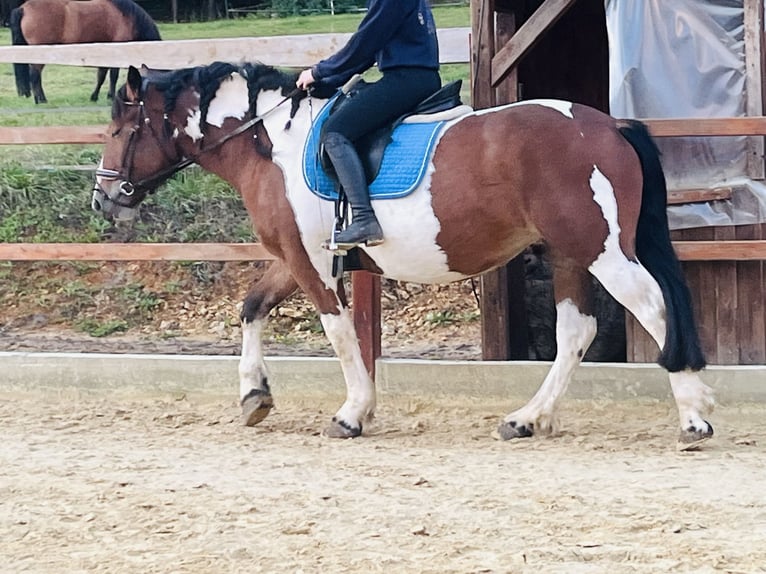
(116, 132)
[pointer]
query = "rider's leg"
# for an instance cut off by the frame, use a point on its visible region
(364, 226)
(396, 93)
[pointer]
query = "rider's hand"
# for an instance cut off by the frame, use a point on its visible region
(305, 79)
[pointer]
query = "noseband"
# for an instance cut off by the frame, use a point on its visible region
(127, 188)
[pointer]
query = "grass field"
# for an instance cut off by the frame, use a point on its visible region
(45, 193)
(33, 206)
(69, 87)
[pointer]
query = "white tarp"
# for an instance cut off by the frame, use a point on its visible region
(686, 58)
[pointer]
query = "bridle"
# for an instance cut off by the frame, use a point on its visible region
(126, 191)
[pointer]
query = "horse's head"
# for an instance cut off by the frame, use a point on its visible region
(164, 121)
(141, 151)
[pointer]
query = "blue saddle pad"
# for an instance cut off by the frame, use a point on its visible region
(404, 161)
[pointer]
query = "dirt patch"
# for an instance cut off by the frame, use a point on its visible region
(157, 307)
(94, 485)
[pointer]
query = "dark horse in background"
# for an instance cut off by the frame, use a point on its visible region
(76, 22)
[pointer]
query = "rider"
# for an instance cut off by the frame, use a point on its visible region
(400, 35)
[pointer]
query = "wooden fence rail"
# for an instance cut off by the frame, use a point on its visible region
(289, 51)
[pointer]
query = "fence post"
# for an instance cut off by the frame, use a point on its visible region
(366, 311)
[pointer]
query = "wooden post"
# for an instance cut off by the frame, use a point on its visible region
(754, 63)
(366, 311)
(503, 310)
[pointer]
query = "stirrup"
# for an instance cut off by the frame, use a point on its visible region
(345, 247)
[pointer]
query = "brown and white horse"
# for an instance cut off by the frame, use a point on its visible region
(499, 179)
(75, 22)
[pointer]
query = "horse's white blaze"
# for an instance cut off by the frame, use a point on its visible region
(119, 212)
(574, 334)
(360, 390)
(252, 368)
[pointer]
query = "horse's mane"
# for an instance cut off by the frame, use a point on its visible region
(207, 79)
(145, 28)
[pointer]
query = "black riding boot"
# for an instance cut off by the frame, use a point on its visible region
(364, 227)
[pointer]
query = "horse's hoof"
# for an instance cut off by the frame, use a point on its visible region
(341, 429)
(691, 438)
(255, 407)
(510, 430)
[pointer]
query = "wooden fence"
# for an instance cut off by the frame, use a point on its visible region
(296, 51)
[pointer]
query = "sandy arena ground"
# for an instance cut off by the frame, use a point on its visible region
(178, 486)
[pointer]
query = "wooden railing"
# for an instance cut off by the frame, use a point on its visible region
(290, 51)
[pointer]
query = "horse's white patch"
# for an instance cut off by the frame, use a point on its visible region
(252, 368)
(230, 101)
(603, 194)
(693, 398)
(574, 334)
(193, 128)
(561, 106)
(627, 281)
(360, 390)
(410, 251)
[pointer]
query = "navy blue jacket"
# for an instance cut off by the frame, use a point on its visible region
(393, 33)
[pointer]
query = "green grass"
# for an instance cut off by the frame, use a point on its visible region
(70, 86)
(45, 189)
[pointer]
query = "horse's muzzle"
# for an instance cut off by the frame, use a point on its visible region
(102, 203)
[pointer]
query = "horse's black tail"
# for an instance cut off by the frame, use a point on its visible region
(655, 251)
(17, 38)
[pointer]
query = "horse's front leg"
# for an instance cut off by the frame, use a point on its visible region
(330, 300)
(254, 393)
(359, 406)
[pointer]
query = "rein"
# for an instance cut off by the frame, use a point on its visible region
(128, 188)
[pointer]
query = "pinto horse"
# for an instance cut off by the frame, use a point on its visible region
(497, 180)
(75, 22)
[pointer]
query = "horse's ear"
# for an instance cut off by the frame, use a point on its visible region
(134, 84)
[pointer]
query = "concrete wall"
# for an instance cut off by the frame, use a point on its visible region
(147, 375)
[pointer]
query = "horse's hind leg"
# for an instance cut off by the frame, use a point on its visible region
(100, 77)
(36, 80)
(254, 393)
(633, 286)
(575, 330)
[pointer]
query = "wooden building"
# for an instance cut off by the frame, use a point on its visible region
(523, 49)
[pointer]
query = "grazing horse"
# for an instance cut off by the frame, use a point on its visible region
(75, 22)
(497, 180)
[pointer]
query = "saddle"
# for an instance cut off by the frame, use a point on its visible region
(442, 105)
(408, 156)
